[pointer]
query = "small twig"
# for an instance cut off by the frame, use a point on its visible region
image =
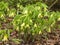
(53, 4)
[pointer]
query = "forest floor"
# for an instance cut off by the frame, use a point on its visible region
(52, 38)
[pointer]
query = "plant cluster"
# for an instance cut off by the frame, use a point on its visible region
(31, 19)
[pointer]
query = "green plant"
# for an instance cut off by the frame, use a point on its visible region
(33, 20)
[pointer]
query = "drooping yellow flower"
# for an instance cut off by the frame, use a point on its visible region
(35, 25)
(25, 12)
(30, 20)
(18, 5)
(40, 15)
(40, 32)
(27, 26)
(17, 28)
(23, 24)
(5, 38)
(58, 19)
(11, 14)
(1, 15)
